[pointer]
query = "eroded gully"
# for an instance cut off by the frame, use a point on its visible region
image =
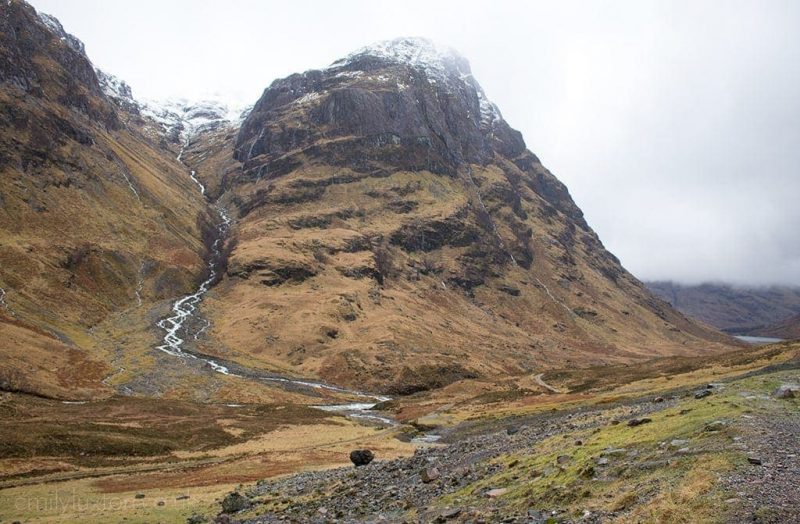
(177, 330)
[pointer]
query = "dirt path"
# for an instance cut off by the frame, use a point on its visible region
(540, 381)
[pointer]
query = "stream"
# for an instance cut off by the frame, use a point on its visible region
(184, 308)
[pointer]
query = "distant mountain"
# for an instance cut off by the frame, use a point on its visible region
(738, 310)
(176, 119)
(787, 329)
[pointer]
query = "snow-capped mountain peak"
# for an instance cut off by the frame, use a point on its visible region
(438, 63)
(185, 118)
(420, 53)
(178, 118)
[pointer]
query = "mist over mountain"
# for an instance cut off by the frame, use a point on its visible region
(741, 310)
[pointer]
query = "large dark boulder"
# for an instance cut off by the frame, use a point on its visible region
(235, 502)
(361, 457)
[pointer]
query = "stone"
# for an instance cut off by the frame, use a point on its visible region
(494, 493)
(361, 457)
(678, 443)
(563, 459)
(235, 502)
(638, 421)
(196, 519)
(658, 400)
(512, 430)
(717, 425)
(139, 496)
(511, 290)
(451, 513)
(754, 461)
(602, 461)
(429, 475)
(161, 503)
(702, 394)
(182, 497)
(785, 392)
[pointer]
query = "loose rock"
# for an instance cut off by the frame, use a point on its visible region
(785, 392)
(429, 475)
(361, 457)
(235, 502)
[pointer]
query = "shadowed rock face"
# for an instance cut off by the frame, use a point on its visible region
(42, 60)
(405, 104)
(433, 104)
(95, 218)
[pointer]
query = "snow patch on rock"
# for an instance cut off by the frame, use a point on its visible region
(420, 53)
(185, 118)
(55, 26)
(178, 118)
(439, 64)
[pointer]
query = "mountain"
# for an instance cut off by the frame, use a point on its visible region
(96, 219)
(367, 261)
(735, 309)
(388, 231)
(393, 232)
(788, 329)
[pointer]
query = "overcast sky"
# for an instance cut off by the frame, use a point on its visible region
(675, 124)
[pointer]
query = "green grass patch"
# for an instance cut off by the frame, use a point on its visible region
(662, 471)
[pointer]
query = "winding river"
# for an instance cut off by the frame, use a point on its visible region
(175, 328)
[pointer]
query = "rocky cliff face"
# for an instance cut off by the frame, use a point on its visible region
(405, 103)
(395, 233)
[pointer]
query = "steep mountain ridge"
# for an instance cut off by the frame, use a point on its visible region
(394, 232)
(96, 218)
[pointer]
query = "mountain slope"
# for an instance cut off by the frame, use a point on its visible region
(95, 218)
(788, 329)
(395, 233)
(738, 310)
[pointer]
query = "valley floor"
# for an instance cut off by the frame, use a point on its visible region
(730, 456)
(636, 446)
